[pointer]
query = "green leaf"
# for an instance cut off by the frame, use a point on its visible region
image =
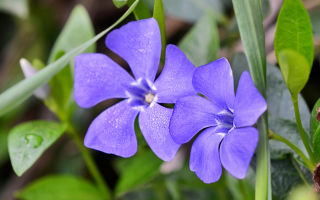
(141, 169)
(249, 17)
(314, 123)
(60, 187)
(77, 30)
(29, 140)
(295, 70)
(294, 30)
(316, 144)
(303, 192)
(141, 11)
(201, 43)
(315, 16)
(287, 129)
(119, 3)
(17, 94)
(3, 147)
(158, 14)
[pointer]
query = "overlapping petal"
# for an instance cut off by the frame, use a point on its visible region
(175, 81)
(154, 125)
(205, 158)
(113, 131)
(190, 115)
(237, 149)
(139, 43)
(215, 81)
(97, 78)
(249, 103)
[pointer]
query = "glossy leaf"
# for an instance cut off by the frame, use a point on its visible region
(141, 169)
(77, 30)
(295, 70)
(315, 129)
(60, 187)
(294, 30)
(17, 94)
(158, 14)
(201, 43)
(28, 141)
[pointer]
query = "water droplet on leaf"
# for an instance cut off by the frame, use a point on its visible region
(33, 140)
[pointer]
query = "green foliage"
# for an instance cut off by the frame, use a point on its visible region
(77, 30)
(141, 11)
(28, 141)
(3, 146)
(295, 70)
(191, 10)
(138, 171)
(60, 187)
(158, 14)
(315, 130)
(201, 43)
(315, 16)
(119, 3)
(17, 94)
(303, 192)
(294, 30)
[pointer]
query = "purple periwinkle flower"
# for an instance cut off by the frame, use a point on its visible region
(98, 78)
(228, 139)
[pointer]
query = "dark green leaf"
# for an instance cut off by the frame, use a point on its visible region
(295, 70)
(29, 140)
(158, 14)
(17, 94)
(77, 30)
(294, 30)
(3, 147)
(141, 169)
(287, 129)
(141, 11)
(119, 3)
(201, 43)
(284, 177)
(60, 187)
(314, 123)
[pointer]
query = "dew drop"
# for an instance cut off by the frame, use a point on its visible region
(33, 140)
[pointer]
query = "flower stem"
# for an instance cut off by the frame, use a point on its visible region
(294, 162)
(302, 132)
(92, 167)
(308, 163)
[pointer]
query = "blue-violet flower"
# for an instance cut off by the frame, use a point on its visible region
(98, 78)
(228, 138)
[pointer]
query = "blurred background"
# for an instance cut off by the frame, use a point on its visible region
(29, 28)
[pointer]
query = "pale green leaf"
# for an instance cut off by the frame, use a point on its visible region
(294, 30)
(28, 141)
(201, 43)
(119, 3)
(295, 70)
(60, 187)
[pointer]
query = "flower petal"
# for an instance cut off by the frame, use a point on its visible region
(215, 81)
(249, 103)
(175, 81)
(139, 43)
(113, 131)
(154, 125)
(97, 78)
(237, 149)
(190, 115)
(204, 158)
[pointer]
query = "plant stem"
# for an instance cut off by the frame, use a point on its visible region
(92, 167)
(294, 162)
(308, 163)
(263, 179)
(302, 132)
